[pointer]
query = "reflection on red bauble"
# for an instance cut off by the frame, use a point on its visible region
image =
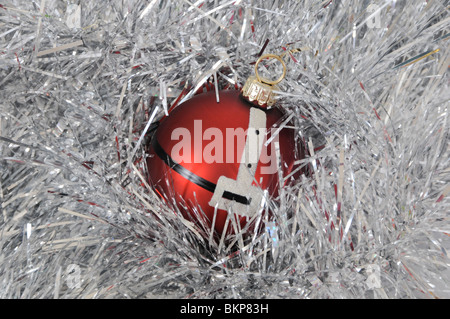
(210, 160)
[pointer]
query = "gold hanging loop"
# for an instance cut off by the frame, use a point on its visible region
(270, 56)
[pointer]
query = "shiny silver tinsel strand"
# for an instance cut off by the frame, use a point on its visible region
(81, 82)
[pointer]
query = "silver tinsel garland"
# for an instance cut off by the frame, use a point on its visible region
(367, 85)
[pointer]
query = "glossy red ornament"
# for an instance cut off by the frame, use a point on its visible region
(232, 112)
(216, 162)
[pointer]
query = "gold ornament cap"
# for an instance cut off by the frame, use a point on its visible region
(261, 91)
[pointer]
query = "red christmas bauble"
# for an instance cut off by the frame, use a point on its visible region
(217, 161)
